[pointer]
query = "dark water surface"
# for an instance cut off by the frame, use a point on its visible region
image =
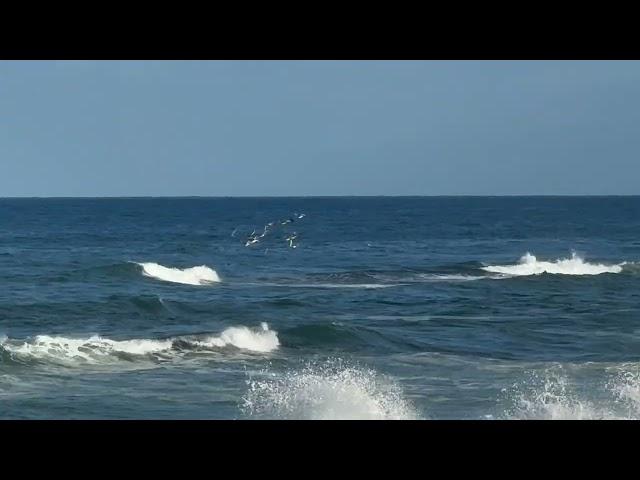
(386, 308)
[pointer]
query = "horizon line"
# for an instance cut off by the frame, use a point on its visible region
(115, 197)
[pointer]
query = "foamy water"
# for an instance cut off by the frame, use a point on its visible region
(530, 265)
(200, 275)
(89, 349)
(327, 391)
(626, 388)
(551, 396)
(263, 340)
(96, 349)
(434, 277)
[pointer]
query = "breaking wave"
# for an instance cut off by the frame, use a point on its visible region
(328, 391)
(530, 265)
(200, 275)
(552, 397)
(263, 340)
(97, 349)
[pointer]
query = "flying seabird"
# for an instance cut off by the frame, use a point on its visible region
(290, 239)
(251, 239)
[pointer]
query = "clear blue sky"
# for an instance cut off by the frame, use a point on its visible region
(319, 128)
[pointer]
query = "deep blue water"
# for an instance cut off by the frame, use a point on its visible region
(386, 308)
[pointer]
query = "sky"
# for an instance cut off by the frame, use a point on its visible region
(289, 128)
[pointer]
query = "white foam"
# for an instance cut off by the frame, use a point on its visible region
(200, 275)
(99, 350)
(434, 277)
(330, 391)
(263, 340)
(553, 400)
(94, 348)
(626, 388)
(551, 397)
(530, 265)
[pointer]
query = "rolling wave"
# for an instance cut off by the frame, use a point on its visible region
(530, 265)
(201, 275)
(264, 340)
(96, 349)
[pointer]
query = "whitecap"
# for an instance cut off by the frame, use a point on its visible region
(100, 350)
(263, 340)
(327, 391)
(551, 396)
(200, 275)
(530, 265)
(90, 349)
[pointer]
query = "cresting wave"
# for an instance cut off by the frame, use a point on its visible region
(335, 391)
(530, 265)
(326, 391)
(551, 397)
(96, 349)
(264, 340)
(201, 275)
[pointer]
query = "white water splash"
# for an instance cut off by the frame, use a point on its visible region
(200, 275)
(263, 340)
(90, 349)
(626, 388)
(530, 265)
(99, 350)
(330, 391)
(552, 397)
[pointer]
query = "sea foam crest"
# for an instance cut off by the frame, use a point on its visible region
(87, 349)
(97, 349)
(200, 275)
(329, 391)
(263, 340)
(530, 265)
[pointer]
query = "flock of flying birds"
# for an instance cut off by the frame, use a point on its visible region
(254, 238)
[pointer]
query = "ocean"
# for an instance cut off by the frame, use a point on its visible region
(320, 308)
